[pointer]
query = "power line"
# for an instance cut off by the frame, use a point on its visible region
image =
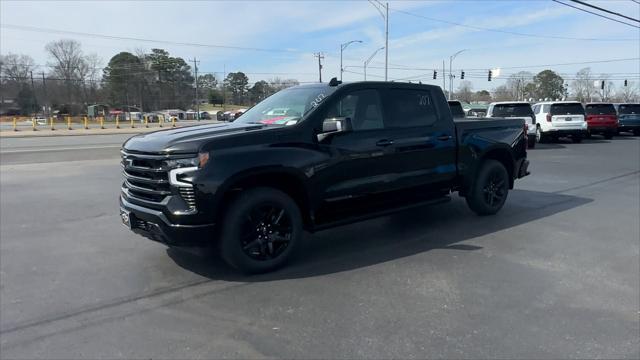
(596, 14)
(605, 10)
(509, 32)
(113, 37)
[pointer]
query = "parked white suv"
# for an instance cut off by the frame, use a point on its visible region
(560, 118)
(516, 110)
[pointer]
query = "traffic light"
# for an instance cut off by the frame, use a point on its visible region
(435, 74)
(602, 84)
(490, 75)
(625, 82)
(461, 75)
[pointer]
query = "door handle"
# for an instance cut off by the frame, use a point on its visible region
(384, 142)
(444, 137)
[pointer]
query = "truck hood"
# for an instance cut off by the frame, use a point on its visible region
(185, 139)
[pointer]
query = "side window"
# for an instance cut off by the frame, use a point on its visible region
(545, 108)
(535, 109)
(363, 107)
(409, 108)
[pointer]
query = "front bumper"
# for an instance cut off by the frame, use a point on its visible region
(154, 225)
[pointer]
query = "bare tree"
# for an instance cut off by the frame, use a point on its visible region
(501, 93)
(582, 87)
(628, 93)
(609, 88)
(17, 67)
(519, 85)
(67, 59)
(465, 91)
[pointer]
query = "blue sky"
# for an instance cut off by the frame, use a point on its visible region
(297, 29)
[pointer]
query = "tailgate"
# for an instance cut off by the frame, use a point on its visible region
(567, 120)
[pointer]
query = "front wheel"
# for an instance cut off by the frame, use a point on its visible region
(489, 190)
(261, 230)
(531, 141)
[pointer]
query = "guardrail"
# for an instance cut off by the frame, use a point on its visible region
(69, 123)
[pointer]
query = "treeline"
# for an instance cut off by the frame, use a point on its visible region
(584, 86)
(146, 81)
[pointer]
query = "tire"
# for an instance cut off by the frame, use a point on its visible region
(540, 137)
(576, 139)
(490, 189)
(262, 229)
(531, 142)
(636, 132)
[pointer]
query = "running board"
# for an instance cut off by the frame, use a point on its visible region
(372, 215)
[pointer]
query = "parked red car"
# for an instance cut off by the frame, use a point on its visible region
(601, 119)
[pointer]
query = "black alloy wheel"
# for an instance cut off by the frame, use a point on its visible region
(267, 232)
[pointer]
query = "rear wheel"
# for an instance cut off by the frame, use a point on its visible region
(261, 230)
(531, 141)
(489, 191)
(540, 137)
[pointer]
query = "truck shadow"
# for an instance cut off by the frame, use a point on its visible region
(392, 237)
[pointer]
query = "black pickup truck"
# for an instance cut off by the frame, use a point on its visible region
(312, 157)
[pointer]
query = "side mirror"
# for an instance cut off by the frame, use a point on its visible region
(334, 125)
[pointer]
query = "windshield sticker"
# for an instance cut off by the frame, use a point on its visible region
(318, 100)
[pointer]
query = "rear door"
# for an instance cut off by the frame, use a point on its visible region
(568, 115)
(423, 149)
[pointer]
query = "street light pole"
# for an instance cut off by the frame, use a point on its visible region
(451, 71)
(366, 63)
(342, 47)
(385, 16)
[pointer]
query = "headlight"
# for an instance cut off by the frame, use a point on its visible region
(200, 161)
(178, 167)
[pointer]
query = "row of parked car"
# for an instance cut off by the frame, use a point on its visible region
(549, 120)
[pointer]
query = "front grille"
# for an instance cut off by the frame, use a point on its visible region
(146, 178)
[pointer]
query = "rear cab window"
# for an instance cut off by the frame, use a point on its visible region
(567, 109)
(410, 108)
(626, 109)
(456, 109)
(600, 109)
(512, 110)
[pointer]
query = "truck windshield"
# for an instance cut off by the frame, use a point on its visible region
(625, 109)
(286, 107)
(567, 109)
(512, 110)
(600, 109)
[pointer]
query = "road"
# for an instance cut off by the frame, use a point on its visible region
(556, 274)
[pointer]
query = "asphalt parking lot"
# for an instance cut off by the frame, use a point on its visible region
(556, 274)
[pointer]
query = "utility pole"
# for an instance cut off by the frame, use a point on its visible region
(44, 89)
(1, 89)
(320, 56)
(443, 77)
(224, 91)
(342, 47)
(385, 16)
(33, 94)
(386, 44)
(195, 68)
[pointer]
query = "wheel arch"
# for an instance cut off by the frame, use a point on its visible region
(286, 180)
